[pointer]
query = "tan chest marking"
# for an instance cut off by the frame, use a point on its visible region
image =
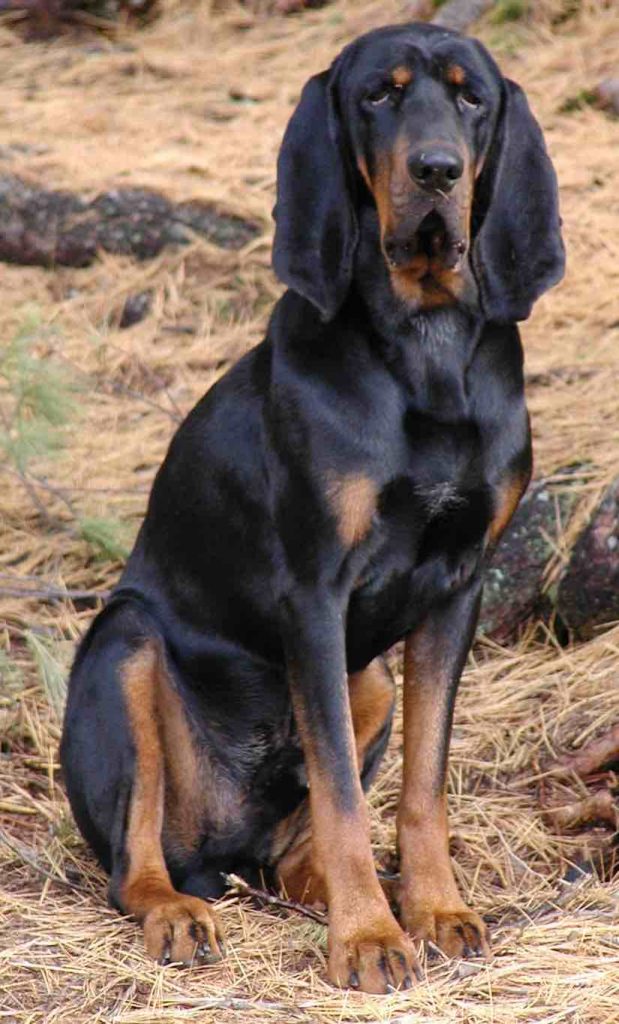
(353, 500)
(507, 503)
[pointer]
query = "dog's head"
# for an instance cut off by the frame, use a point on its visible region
(420, 122)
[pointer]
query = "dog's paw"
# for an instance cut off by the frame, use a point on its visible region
(183, 930)
(457, 933)
(378, 958)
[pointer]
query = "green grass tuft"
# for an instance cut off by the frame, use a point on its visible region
(36, 396)
(107, 536)
(9, 672)
(509, 10)
(51, 671)
(579, 101)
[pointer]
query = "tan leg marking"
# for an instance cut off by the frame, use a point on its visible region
(176, 927)
(431, 906)
(372, 694)
(367, 947)
(371, 700)
(353, 500)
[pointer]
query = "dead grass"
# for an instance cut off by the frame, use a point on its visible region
(195, 105)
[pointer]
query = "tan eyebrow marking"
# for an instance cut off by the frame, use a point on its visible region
(455, 74)
(401, 76)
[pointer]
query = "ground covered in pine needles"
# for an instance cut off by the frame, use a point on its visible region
(195, 105)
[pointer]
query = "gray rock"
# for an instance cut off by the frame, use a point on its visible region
(588, 593)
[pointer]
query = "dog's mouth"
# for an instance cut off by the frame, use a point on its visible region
(437, 243)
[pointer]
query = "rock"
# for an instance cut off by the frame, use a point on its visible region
(607, 95)
(136, 307)
(420, 10)
(295, 6)
(588, 593)
(43, 19)
(49, 228)
(513, 591)
(459, 14)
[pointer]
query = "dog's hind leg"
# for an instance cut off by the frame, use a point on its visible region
(176, 927)
(125, 752)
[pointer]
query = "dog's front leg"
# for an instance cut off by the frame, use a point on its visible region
(367, 947)
(431, 906)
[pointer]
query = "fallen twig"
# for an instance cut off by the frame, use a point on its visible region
(48, 592)
(239, 887)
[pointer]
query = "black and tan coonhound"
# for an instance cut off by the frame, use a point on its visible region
(340, 489)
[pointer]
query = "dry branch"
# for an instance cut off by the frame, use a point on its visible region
(592, 763)
(600, 806)
(594, 756)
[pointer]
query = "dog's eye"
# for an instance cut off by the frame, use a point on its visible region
(468, 99)
(388, 91)
(378, 97)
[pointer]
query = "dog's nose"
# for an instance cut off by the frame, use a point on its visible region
(436, 168)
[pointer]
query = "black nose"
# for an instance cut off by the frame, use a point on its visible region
(435, 168)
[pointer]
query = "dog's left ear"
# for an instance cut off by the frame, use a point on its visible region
(316, 226)
(518, 251)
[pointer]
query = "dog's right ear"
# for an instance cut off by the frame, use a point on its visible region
(518, 252)
(316, 227)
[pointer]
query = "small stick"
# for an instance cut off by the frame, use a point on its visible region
(51, 593)
(239, 887)
(237, 1003)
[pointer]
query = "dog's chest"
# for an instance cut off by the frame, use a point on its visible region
(438, 505)
(427, 540)
(439, 490)
(442, 440)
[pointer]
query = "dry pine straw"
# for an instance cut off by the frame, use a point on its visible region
(155, 108)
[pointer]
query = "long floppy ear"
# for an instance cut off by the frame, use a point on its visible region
(518, 251)
(316, 226)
